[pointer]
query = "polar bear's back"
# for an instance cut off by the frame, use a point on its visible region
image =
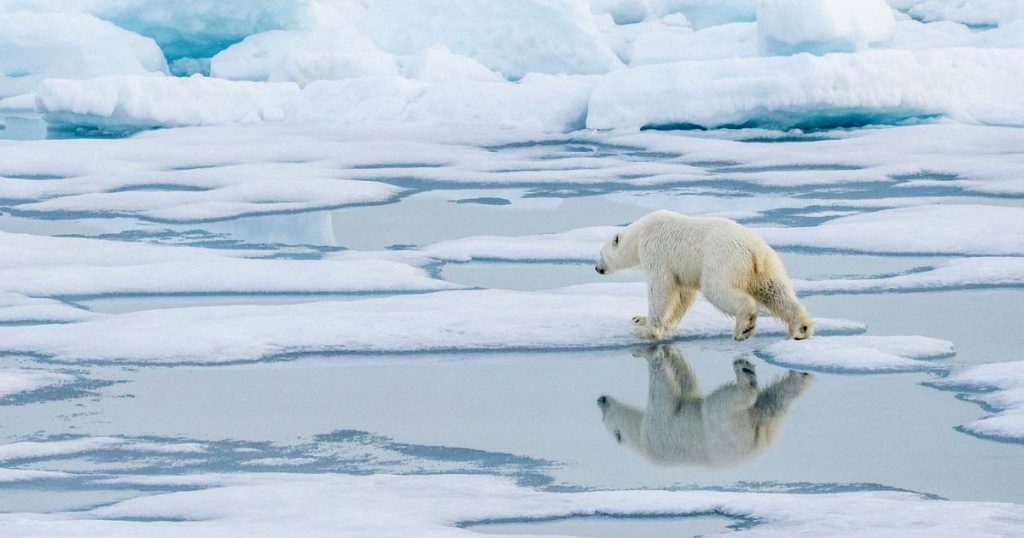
(692, 247)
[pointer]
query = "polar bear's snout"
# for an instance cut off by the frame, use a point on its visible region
(599, 267)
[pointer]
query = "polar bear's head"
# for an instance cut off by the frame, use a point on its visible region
(622, 420)
(617, 254)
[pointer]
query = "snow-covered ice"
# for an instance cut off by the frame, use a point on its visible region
(931, 229)
(388, 505)
(1000, 388)
(860, 353)
(16, 308)
(979, 272)
(14, 381)
(41, 266)
(477, 320)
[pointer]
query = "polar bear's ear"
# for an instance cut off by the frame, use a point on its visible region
(615, 242)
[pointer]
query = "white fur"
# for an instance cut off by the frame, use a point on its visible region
(680, 426)
(733, 267)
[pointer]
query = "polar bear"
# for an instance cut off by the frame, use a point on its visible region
(733, 267)
(679, 426)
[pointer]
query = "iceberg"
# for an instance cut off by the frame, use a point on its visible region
(34, 46)
(705, 13)
(512, 37)
(183, 28)
(971, 85)
(539, 103)
(302, 57)
(980, 13)
(822, 26)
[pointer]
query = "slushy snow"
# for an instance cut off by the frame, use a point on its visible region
(19, 380)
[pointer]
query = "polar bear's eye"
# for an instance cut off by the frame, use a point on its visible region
(615, 242)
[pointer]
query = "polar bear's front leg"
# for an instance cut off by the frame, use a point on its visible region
(663, 300)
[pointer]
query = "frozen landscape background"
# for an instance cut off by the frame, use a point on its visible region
(324, 267)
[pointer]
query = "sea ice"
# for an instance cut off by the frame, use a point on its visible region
(929, 229)
(999, 387)
(43, 266)
(16, 380)
(822, 26)
(16, 308)
(980, 272)
(860, 353)
(479, 320)
(246, 504)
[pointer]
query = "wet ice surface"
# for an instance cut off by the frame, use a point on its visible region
(80, 430)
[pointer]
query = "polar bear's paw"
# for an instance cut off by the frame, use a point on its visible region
(744, 327)
(746, 375)
(642, 330)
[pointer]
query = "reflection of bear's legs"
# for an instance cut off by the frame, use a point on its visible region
(738, 304)
(741, 395)
(677, 369)
(662, 299)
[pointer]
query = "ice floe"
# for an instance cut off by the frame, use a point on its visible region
(245, 504)
(477, 320)
(41, 266)
(18, 380)
(929, 229)
(1000, 388)
(859, 353)
(16, 308)
(981, 272)
(874, 86)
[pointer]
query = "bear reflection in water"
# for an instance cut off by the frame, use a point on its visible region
(681, 426)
